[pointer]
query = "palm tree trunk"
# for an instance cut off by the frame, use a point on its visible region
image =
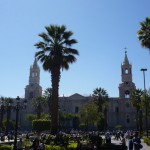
(55, 76)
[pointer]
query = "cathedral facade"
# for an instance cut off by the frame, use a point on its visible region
(120, 111)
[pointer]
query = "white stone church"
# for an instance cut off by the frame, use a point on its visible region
(120, 111)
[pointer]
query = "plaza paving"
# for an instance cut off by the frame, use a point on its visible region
(118, 142)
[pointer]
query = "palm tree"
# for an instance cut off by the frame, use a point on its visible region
(100, 96)
(9, 102)
(2, 113)
(55, 54)
(48, 97)
(144, 33)
(135, 99)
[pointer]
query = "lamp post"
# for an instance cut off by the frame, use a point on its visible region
(146, 122)
(18, 106)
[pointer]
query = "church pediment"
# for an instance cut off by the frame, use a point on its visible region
(76, 96)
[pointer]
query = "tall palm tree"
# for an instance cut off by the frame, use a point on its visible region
(144, 33)
(9, 102)
(55, 54)
(100, 96)
(135, 98)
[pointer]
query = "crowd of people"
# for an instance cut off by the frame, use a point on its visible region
(129, 140)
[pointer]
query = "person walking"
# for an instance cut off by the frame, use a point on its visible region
(130, 143)
(137, 142)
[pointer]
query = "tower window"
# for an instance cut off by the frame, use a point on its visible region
(126, 71)
(127, 94)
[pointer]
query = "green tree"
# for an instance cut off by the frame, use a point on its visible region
(148, 101)
(89, 114)
(48, 97)
(100, 97)
(38, 104)
(55, 54)
(64, 119)
(2, 109)
(144, 33)
(31, 117)
(6, 107)
(136, 100)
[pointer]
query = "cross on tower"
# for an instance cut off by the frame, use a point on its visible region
(125, 50)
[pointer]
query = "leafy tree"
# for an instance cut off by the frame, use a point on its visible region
(48, 97)
(144, 33)
(11, 124)
(55, 54)
(89, 114)
(147, 101)
(100, 97)
(136, 100)
(31, 117)
(38, 104)
(6, 107)
(64, 119)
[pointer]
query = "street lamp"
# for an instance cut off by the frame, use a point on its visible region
(18, 106)
(146, 122)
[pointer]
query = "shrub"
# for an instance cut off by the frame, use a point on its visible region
(147, 140)
(41, 125)
(5, 147)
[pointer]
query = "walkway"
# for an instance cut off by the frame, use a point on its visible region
(145, 146)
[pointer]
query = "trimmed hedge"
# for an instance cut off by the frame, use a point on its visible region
(41, 125)
(6, 147)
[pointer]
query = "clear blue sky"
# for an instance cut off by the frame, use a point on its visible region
(103, 29)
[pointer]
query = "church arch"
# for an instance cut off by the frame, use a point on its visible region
(127, 94)
(126, 71)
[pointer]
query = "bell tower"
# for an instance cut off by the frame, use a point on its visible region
(127, 86)
(33, 89)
